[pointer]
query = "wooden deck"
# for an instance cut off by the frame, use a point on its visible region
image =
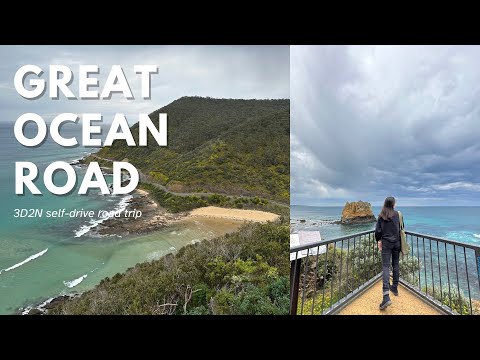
(406, 303)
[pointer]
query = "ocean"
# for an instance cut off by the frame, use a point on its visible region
(450, 222)
(455, 223)
(45, 257)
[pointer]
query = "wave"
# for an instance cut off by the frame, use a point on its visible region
(463, 236)
(155, 255)
(30, 258)
(86, 228)
(121, 206)
(75, 161)
(41, 306)
(75, 282)
(312, 224)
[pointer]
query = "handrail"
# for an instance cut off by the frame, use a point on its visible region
(326, 242)
(436, 238)
(431, 237)
(342, 267)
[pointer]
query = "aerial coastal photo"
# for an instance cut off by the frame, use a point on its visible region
(207, 231)
(385, 191)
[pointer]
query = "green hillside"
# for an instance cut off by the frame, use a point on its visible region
(241, 273)
(230, 146)
(221, 146)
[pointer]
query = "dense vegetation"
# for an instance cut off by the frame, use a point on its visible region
(174, 203)
(238, 147)
(230, 153)
(241, 273)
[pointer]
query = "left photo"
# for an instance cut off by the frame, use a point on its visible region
(148, 180)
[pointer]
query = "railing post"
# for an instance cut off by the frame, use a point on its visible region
(477, 257)
(295, 266)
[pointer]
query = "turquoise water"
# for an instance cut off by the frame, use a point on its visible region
(455, 223)
(42, 257)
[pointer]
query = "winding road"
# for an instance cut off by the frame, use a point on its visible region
(145, 179)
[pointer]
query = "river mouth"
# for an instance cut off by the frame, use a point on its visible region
(73, 267)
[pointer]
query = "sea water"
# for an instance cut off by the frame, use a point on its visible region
(460, 224)
(45, 257)
(451, 222)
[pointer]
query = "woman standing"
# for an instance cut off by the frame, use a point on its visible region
(387, 234)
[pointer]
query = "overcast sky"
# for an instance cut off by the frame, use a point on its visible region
(372, 121)
(216, 71)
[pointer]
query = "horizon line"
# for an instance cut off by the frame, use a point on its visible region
(382, 205)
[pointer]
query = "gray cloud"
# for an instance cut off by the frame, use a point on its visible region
(215, 71)
(371, 121)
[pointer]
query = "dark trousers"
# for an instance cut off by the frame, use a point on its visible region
(390, 255)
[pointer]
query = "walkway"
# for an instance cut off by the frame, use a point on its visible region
(406, 303)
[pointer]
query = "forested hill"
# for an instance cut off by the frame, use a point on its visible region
(230, 146)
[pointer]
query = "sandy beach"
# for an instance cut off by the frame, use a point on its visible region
(154, 217)
(234, 214)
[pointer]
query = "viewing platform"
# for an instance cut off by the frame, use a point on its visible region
(342, 276)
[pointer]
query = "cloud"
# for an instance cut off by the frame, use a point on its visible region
(457, 185)
(323, 190)
(375, 121)
(216, 71)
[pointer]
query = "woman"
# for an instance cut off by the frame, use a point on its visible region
(387, 234)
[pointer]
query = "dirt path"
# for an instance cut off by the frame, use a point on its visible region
(144, 179)
(406, 303)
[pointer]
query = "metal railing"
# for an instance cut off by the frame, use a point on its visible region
(327, 275)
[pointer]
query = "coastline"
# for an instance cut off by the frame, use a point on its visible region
(102, 241)
(154, 218)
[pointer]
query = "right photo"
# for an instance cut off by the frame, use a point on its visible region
(385, 180)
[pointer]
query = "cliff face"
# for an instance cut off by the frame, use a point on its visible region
(359, 212)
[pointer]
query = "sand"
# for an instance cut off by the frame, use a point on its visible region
(406, 303)
(234, 214)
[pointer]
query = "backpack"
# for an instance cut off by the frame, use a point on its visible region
(405, 248)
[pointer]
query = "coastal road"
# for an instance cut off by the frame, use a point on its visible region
(145, 179)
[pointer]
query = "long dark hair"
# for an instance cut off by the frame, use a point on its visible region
(387, 210)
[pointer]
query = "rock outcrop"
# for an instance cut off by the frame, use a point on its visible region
(359, 212)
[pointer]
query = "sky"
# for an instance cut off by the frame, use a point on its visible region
(246, 72)
(369, 122)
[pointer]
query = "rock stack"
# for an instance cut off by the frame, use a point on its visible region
(359, 212)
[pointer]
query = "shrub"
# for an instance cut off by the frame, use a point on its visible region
(245, 272)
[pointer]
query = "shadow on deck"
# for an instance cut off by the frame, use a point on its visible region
(406, 303)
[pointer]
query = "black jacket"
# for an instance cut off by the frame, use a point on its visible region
(388, 230)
